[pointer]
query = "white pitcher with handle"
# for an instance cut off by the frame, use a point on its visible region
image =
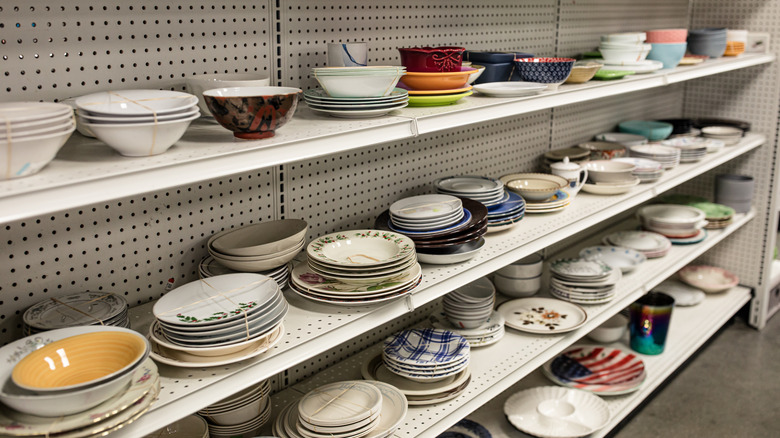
(573, 172)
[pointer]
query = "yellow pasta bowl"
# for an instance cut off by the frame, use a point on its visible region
(80, 361)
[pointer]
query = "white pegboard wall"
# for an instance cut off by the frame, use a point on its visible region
(582, 22)
(350, 190)
(131, 246)
(573, 124)
(307, 28)
(54, 50)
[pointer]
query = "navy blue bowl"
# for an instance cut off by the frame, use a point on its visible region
(708, 47)
(494, 72)
(544, 70)
(480, 58)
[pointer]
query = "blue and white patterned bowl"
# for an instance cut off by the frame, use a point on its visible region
(544, 70)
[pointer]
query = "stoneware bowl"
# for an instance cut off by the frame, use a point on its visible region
(374, 81)
(544, 70)
(141, 139)
(652, 130)
(604, 150)
(527, 267)
(432, 59)
(537, 186)
(261, 238)
(517, 287)
(479, 69)
(80, 361)
(710, 279)
(611, 331)
(669, 54)
(200, 83)
(30, 154)
(605, 171)
(437, 81)
(583, 71)
(667, 36)
(252, 112)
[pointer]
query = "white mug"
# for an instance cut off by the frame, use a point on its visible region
(574, 173)
(347, 54)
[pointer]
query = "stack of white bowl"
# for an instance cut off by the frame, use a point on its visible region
(520, 279)
(727, 134)
(646, 170)
(31, 135)
(260, 247)
(242, 413)
(673, 221)
(137, 123)
(471, 305)
(79, 309)
(692, 149)
(624, 48)
(426, 355)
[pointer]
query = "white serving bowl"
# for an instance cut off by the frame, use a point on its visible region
(727, 134)
(609, 171)
(669, 215)
(517, 287)
(261, 238)
(200, 83)
(620, 56)
(116, 120)
(528, 267)
(141, 139)
(477, 292)
(710, 279)
(474, 75)
(537, 186)
(611, 331)
(29, 154)
(625, 38)
(357, 85)
(255, 265)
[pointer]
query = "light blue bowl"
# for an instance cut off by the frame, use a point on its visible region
(668, 53)
(653, 131)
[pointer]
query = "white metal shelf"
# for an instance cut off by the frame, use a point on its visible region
(498, 367)
(312, 329)
(86, 171)
(689, 330)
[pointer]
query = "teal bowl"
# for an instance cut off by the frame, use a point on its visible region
(669, 53)
(653, 131)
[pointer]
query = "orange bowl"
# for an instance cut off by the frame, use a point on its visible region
(436, 81)
(80, 361)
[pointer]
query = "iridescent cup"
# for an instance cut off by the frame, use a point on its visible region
(649, 322)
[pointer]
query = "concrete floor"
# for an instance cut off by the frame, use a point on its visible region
(731, 389)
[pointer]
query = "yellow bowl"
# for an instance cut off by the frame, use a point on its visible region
(80, 361)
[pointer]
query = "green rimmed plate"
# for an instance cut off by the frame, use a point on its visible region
(608, 75)
(714, 211)
(440, 100)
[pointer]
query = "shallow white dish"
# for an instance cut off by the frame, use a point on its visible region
(359, 85)
(360, 247)
(611, 188)
(425, 207)
(510, 89)
(709, 279)
(261, 238)
(625, 259)
(643, 241)
(555, 412)
(358, 114)
(340, 403)
(684, 295)
(611, 330)
(542, 315)
(141, 139)
(135, 102)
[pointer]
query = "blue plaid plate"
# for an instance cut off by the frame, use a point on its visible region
(426, 347)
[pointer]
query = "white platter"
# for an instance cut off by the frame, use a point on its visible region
(646, 66)
(684, 295)
(359, 114)
(644, 241)
(426, 207)
(555, 412)
(542, 315)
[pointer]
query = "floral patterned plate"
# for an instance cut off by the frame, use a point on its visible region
(106, 415)
(306, 279)
(360, 247)
(356, 300)
(542, 315)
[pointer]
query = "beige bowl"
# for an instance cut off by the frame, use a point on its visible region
(606, 171)
(583, 72)
(260, 239)
(536, 186)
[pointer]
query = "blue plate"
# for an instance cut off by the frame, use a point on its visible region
(557, 197)
(463, 222)
(466, 428)
(513, 204)
(507, 220)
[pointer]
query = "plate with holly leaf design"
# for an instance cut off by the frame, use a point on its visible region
(361, 248)
(542, 315)
(303, 278)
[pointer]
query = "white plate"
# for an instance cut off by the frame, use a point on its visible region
(493, 325)
(610, 189)
(426, 207)
(82, 308)
(359, 114)
(135, 103)
(308, 280)
(340, 403)
(474, 185)
(542, 315)
(683, 294)
(625, 259)
(555, 412)
(510, 89)
(360, 247)
(646, 66)
(580, 268)
(644, 241)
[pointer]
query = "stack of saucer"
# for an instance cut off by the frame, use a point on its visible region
(583, 281)
(692, 149)
(441, 246)
(355, 107)
(209, 267)
(426, 355)
(357, 267)
(222, 319)
(488, 191)
(506, 214)
(79, 309)
(652, 245)
(242, 413)
(646, 170)
(490, 332)
(471, 305)
(718, 216)
(428, 214)
(260, 247)
(669, 157)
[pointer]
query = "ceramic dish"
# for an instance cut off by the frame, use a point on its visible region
(359, 113)
(135, 102)
(425, 207)
(536, 187)
(684, 295)
(580, 268)
(360, 247)
(582, 364)
(612, 330)
(374, 369)
(439, 92)
(709, 279)
(461, 255)
(637, 67)
(510, 89)
(261, 238)
(466, 428)
(340, 403)
(440, 100)
(83, 308)
(625, 259)
(554, 412)
(425, 347)
(611, 188)
(608, 75)
(436, 81)
(643, 241)
(542, 315)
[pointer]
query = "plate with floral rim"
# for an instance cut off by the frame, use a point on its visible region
(542, 315)
(360, 247)
(358, 301)
(145, 378)
(371, 296)
(304, 278)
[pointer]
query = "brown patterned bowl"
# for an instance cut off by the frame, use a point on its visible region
(252, 112)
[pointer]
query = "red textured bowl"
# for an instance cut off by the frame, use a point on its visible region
(432, 59)
(667, 36)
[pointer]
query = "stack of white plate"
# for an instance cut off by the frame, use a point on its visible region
(355, 107)
(652, 245)
(673, 221)
(79, 309)
(209, 267)
(31, 135)
(471, 305)
(357, 267)
(583, 281)
(259, 247)
(426, 355)
(137, 123)
(669, 157)
(349, 409)
(625, 259)
(692, 149)
(218, 320)
(490, 332)
(488, 191)
(646, 170)
(428, 215)
(242, 413)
